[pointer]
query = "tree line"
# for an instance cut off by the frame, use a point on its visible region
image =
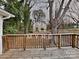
(22, 9)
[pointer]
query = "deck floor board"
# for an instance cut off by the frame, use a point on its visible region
(50, 53)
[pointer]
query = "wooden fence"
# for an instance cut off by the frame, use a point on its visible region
(25, 41)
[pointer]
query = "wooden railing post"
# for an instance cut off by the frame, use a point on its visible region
(5, 43)
(24, 42)
(59, 41)
(44, 42)
(74, 40)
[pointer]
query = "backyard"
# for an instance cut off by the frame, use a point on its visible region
(39, 29)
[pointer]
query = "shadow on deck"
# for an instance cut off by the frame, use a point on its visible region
(49, 53)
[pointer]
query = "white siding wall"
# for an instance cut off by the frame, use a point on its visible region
(1, 33)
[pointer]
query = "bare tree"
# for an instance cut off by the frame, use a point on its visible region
(57, 21)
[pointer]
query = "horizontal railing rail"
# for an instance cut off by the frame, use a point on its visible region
(16, 41)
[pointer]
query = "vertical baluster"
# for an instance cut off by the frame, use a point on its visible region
(38, 42)
(7, 39)
(49, 40)
(22, 36)
(65, 42)
(46, 41)
(30, 41)
(73, 40)
(24, 43)
(42, 40)
(17, 41)
(70, 40)
(3, 41)
(27, 41)
(21, 41)
(10, 37)
(13, 41)
(34, 40)
(18, 38)
(59, 41)
(44, 44)
(6, 43)
(47, 44)
(77, 41)
(62, 40)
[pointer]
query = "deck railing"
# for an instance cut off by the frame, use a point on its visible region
(17, 41)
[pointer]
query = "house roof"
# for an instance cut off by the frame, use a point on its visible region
(5, 14)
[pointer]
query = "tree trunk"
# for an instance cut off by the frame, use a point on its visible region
(57, 21)
(51, 21)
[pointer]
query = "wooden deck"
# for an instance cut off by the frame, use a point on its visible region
(26, 41)
(30, 46)
(49, 53)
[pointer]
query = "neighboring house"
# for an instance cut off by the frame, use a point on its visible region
(39, 27)
(3, 15)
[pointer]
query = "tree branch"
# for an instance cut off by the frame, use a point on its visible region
(32, 6)
(60, 9)
(63, 14)
(65, 9)
(29, 2)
